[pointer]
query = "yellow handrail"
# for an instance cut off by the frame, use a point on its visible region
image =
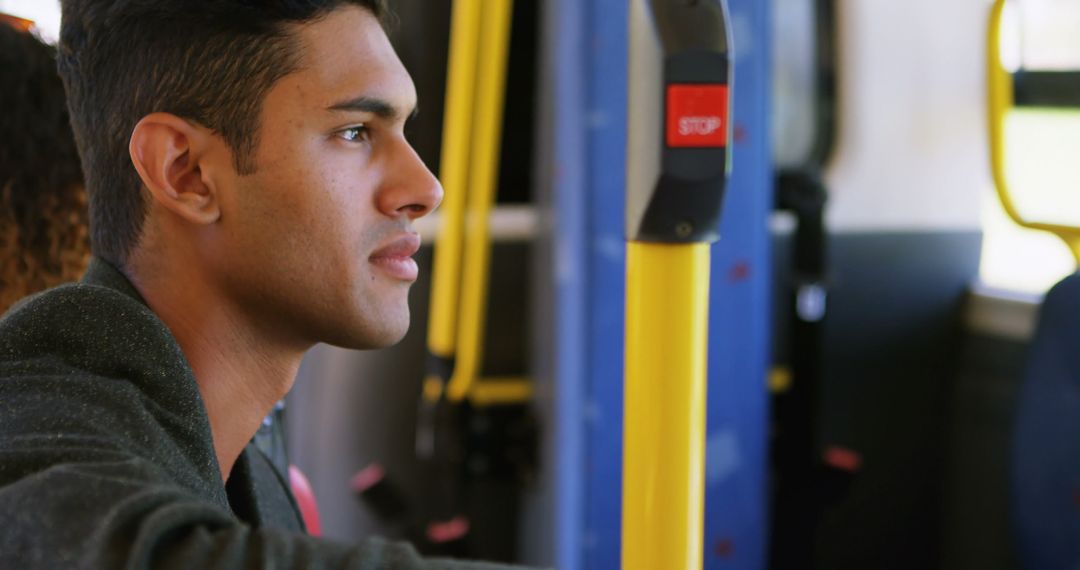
(483, 175)
(667, 308)
(454, 163)
(1000, 101)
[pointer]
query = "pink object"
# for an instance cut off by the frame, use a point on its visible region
(367, 478)
(843, 458)
(448, 531)
(305, 498)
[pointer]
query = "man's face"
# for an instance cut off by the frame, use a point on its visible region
(316, 245)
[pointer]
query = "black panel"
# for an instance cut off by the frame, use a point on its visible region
(977, 533)
(892, 343)
(519, 116)
(1047, 88)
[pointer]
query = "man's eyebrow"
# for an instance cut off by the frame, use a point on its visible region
(378, 107)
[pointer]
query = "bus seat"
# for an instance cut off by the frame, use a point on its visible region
(1046, 441)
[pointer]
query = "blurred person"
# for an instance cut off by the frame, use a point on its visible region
(44, 239)
(251, 193)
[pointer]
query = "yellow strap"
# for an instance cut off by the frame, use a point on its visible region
(667, 298)
(483, 174)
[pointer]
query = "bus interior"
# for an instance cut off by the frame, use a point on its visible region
(892, 314)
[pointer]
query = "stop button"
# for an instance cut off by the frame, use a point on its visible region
(697, 115)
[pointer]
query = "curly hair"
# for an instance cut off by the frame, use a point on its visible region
(44, 239)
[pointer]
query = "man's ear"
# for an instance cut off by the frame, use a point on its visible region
(168, 153)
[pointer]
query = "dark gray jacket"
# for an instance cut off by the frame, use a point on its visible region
(106, 457)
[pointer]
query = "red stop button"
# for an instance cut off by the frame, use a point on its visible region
(697, 115)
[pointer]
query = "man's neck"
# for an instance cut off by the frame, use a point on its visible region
(241, 373)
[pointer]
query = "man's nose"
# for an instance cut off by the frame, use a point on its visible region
(412, 188)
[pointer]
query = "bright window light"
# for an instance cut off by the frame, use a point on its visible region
(44, 13)
(1042, 152)
(1041, 148)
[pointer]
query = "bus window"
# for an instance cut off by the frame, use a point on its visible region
(44, 13)
(1041, 140)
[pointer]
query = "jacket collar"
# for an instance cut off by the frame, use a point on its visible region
(105, 274)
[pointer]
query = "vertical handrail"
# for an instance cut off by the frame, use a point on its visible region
(679, 130)
(483, 179)
(454, 175)
(667, 311)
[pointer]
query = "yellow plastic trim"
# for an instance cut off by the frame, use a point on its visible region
(1000, 101)
(780, 379)
(500, 391)
(432, 388)
(667, 298)
(454, 162)
(483, 174)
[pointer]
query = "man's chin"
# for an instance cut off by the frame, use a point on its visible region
(369, 338)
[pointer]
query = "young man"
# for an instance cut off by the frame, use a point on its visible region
(251, 194)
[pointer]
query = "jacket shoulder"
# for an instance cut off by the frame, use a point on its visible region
(95, 329)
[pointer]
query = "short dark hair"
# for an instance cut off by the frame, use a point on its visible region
(43, 236)
(211, 62)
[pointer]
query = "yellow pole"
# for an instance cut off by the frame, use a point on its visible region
(454, 171)
(483, 179)
(667, 310)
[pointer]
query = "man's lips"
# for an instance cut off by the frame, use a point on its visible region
(395, 258)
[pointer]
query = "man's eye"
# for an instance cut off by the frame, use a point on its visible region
(353, 134)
